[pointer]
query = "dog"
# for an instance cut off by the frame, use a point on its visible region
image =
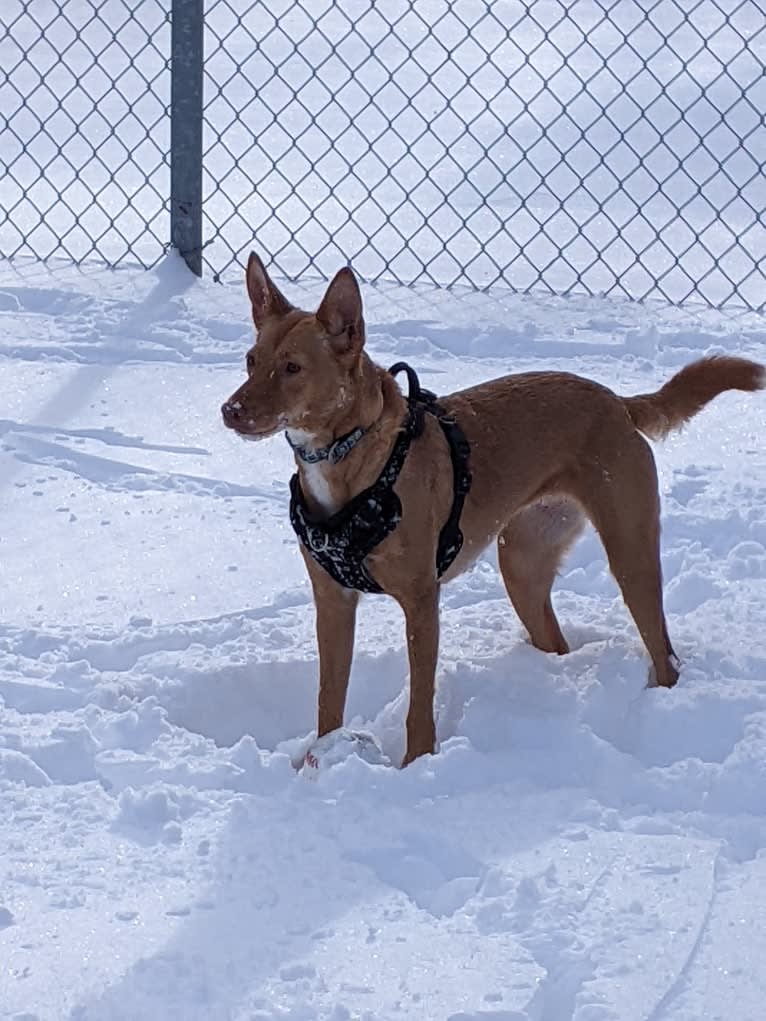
(524, 460)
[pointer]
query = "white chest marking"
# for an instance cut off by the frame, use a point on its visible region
(313, 478)
(315, 485)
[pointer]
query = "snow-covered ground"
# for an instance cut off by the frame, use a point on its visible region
(580, 848)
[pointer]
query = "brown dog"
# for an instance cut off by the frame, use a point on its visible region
(547, 450)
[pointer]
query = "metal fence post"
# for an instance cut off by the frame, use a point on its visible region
(187, 31)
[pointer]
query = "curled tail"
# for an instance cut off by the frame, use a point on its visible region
(690, 390)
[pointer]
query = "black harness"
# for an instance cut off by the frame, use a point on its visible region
(341, 543)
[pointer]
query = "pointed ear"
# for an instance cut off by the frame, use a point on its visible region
(341, 313)
(266, 299)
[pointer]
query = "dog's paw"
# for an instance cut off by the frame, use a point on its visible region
(671, 677)
(339, 745)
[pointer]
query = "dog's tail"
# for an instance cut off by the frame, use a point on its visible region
(690, 390)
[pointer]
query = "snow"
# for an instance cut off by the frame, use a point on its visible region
(580, 847)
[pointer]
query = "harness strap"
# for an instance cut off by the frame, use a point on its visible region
(341, 543)
(450, 537)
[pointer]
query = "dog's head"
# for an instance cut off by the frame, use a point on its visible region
(301, 371)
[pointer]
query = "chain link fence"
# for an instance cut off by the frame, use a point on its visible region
(84, 131)
(596, 146)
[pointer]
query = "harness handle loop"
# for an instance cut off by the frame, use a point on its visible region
(415, 392)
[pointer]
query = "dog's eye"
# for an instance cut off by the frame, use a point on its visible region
(250, 362)
(291, 368)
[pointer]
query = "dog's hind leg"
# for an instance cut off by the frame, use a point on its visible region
(529, 550)
(621, 498)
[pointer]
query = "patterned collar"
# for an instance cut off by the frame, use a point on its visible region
(334, 453)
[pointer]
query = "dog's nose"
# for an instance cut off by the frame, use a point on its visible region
(231, 411)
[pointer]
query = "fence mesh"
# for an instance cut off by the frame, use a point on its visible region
(84, 133)
(610, 147)
(601, 146)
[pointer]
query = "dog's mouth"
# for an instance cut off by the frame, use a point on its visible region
(248, 431)
(262, 434)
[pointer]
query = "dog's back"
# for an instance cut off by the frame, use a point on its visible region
(534, 434)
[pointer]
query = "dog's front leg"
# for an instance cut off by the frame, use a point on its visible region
(421, 614)
(335, 624)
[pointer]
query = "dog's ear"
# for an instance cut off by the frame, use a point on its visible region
(266, 299)
(341, 313)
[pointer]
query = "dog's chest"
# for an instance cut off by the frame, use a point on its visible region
(315, 486)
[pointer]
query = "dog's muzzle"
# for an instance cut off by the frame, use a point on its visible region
(233, 414)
